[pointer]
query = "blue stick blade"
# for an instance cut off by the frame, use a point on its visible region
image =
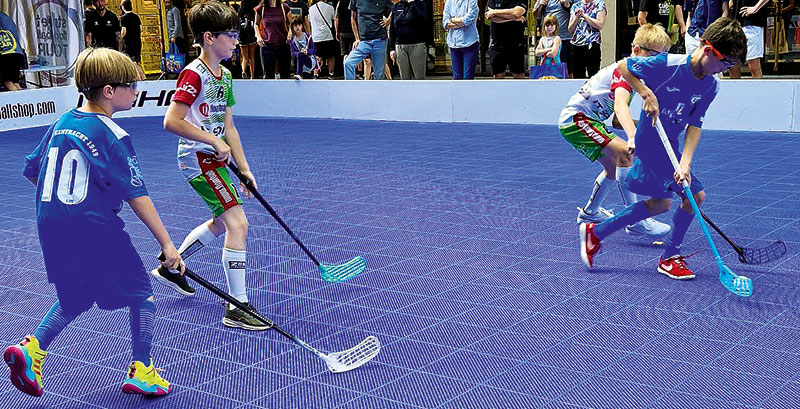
(341, 272)
(739, 285)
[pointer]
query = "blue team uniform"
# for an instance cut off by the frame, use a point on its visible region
(86, 167)
(683, 100)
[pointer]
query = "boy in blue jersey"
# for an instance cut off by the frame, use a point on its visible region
(678, 90)
(84, 168)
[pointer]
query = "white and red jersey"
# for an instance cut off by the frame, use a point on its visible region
(595, 99)
(208, 97)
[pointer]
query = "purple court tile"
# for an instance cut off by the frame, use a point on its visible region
(482, 397)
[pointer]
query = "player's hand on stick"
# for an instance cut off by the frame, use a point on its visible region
(222, 151)
(683, 174)
(650, 105)
(631, 146)
(247, 174)
(172, 258)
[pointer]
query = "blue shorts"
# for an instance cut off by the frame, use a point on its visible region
(91, 265)
(646, 181)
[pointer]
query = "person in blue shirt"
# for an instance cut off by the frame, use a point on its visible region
(84, 169)
(12, 56)
(462, 36)
(679, 90)
(701, 14)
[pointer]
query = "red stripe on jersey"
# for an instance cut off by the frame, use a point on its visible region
(617, 80)
(189, 87)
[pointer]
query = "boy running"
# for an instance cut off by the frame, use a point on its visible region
(201, 115)
(581, 124)
(84, 168)
(679, 90)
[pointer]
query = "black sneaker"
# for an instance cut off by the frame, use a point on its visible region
(237, 318)
(173, 280)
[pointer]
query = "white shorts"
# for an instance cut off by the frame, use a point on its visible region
(691, 43)
(755, 41)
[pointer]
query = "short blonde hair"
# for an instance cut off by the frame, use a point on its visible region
(96, 67)
(652, 36)
(551, 19)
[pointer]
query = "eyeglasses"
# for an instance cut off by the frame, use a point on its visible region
(648, 49)
(233, 34)
(132, 85)
(725, 62)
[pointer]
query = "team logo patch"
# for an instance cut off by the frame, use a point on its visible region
(236, 265)
(204, 109)
(136, 173)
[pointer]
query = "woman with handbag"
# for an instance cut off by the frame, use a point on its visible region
(321, 15)
(272, 19)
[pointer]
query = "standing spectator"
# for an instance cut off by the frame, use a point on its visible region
(321, 16)
(175, 27)
(132, 35)
(369, 30)
(560, 9)
(654, 11)
(586, 19)
(462, 36)
(247, 37)
(508, 45)
(752, 14)
(12, 57)
(299, 8)
(272, 19)
(344, 30)
(701, 14)
(102, 27)
(407, 33)
(303, 51)
(549, 48)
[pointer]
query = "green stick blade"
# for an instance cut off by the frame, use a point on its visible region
(341, 272)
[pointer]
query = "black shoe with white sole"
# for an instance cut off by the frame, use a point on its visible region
(173, 280)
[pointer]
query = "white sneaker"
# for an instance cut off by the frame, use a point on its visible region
(597, 217)
(648, 227)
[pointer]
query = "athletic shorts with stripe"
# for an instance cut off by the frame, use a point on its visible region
(209, 178)
(588, 136)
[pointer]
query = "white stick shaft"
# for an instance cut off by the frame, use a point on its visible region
(667, 146)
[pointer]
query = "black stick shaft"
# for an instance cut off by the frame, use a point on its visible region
(249, 185)
(714, 226)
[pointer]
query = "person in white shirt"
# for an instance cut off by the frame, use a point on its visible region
(321, 15)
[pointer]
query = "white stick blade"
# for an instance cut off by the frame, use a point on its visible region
(354, 357)
(341, 272)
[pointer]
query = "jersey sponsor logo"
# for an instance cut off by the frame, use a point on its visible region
(204, 109)
(236, 265)
(188, 88)
(588, 130)
(136, 173)
(696, 98)
(672, 89)
(83, 138)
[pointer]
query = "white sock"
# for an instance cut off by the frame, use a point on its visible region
(234, 263)
(197, 239)
(599, 192)
(628, 197)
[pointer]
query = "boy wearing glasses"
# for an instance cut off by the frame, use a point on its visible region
(679, 90)
(604, 95)
(201, 115)
(83, 169)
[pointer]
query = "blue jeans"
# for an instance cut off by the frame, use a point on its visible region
(374, 48)
(463, 61)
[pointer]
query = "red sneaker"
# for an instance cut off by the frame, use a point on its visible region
(590, 244)
(675, 267)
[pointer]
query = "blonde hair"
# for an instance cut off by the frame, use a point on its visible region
(551, 19)
(96, 67)
(652, 36)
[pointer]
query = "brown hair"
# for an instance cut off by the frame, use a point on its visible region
(97, 67)
(551, 20)
(726, 35)
(211, 16)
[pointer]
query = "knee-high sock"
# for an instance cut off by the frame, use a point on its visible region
(628, 197)
(599, 192)
(52, 324)
(234, 262)
(142, 319)
(681, 220)
(629, 215)
(195, 240)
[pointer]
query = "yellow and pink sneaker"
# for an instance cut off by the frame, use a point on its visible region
(145, 380)
(25, 361)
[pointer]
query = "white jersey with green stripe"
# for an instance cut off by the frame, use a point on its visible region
(595, 99)
(208, 97)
